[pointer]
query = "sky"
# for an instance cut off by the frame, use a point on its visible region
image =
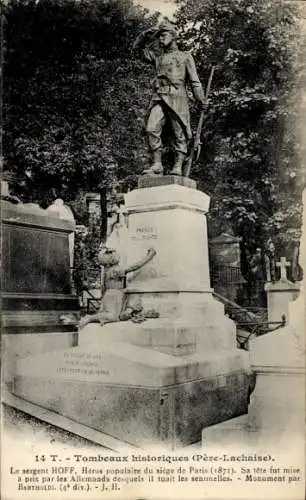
(166, 7)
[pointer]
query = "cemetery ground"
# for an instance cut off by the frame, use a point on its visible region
(23, 430)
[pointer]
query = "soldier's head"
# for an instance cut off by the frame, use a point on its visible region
(166, 33)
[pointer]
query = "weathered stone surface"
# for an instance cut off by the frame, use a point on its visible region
(170, 219)
(279, 296)
(36, 257)
(164, 379)
(136, 394)
(278, 359)
(124, 363)
(36, 286)
(147, 181)
(21, 345)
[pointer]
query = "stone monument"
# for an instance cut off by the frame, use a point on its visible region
(280, 293)
(36, 283)
(277, 405)
(163, 380)
(276, 415)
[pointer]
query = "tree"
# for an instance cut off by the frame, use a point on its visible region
(73, 109)
(250, 162)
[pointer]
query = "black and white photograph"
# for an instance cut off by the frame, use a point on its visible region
(153, 249)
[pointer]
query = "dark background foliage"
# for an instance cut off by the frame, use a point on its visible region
(75, 103)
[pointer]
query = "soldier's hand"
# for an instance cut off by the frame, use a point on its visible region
(148, 34)
(144, 37)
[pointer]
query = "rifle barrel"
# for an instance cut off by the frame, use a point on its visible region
(197, 138)
(209, 82)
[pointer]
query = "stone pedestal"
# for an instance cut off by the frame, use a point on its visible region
(176, 283)
(147, 181)
(165, 379)
(277, 406)
(170, 218)
(278, 403)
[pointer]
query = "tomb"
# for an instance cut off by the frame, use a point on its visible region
(162, 380)
(36, 283)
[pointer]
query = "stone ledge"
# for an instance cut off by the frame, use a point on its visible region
(282, 286)
(31, 215)
(67, 424)
(146, 181)
(165, 197)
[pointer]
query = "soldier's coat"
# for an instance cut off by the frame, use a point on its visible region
(173, 71)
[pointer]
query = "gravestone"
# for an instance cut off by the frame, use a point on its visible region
(64, 212)
(276, 414)
(280, 294)
(276, 419)
(278, 403)
(161, 381)
(36, 283)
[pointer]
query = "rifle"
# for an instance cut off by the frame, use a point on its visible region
(196, 146)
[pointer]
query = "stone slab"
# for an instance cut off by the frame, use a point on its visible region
(23, 345)
(279, 296)
(124, 363)
(67, 424)
(146, 181)
(232, 432)
(278, 401)
(142, 416)
(36, 254)
(35, 260)
(176, 337)
(281, 350)
(30, 214)
(37, 302)
(159, 334)
(36, 321)
(135, 393)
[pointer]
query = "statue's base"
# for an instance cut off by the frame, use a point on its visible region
(137, 394)
(147, 181)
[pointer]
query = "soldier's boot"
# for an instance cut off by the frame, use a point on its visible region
(178, 165)
(157, 166)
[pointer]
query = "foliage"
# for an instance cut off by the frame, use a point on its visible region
(75, 103)
(71, 93)
(250, 161)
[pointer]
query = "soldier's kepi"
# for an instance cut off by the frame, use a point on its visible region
(174, 70)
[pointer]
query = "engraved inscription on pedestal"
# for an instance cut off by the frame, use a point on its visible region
(81, 363)
(144, 233)
(142, 238)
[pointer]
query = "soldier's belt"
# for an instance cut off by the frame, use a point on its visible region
(170, 90)
(165, 89)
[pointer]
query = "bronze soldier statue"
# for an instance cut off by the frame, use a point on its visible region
(174, 70)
